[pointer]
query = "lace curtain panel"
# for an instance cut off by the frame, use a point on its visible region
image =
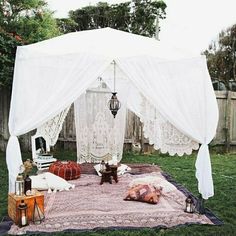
(52, 128)
(162, 134)
(98, 135)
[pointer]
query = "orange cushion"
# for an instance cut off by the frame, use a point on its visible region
(67, 170)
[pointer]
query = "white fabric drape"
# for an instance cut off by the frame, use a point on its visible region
(189, 106)
(163, 134)
(98, 135)
(41, 92)
(52, 128)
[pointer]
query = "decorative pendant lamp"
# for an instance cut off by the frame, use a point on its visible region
(114, 103)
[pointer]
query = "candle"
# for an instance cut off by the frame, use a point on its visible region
(188, 208)
(23, 221)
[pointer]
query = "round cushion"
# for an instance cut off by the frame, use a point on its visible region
(67, 170)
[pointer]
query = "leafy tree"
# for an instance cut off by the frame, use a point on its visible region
(22, 22)
(144, 16)
(8, 43)
(66, 25)
(221, 57)
(136, 16)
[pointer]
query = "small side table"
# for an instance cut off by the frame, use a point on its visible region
(106, 177)
(114, 172)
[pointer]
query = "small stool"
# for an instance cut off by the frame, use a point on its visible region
(114, 172)
(106, 177)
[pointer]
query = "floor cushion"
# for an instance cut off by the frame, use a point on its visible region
(67, 170)
(144, 193)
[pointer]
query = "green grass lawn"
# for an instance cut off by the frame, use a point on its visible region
(182, 169)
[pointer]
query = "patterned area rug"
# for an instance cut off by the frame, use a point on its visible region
(91, 206)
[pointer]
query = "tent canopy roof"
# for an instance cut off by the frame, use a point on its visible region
(107, 42)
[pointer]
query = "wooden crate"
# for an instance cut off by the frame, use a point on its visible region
(14, 201)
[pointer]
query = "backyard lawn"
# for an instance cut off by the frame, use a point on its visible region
(182, 169)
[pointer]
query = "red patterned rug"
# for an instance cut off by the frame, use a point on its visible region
(91, 206)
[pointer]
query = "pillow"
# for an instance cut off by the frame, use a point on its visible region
(154, 181)
(67, 170)
(39, 182)
(144, 193)
(97, 168)
(57, 183)
(49, 181)
(122, 169)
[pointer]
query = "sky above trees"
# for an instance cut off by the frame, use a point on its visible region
(190, 25)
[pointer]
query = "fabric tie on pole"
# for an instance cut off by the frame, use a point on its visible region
(204, 173)
(14, 161)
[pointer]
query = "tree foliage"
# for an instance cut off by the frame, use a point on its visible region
(8, 43)
(136, 16)
(22, 22)
(221, 56)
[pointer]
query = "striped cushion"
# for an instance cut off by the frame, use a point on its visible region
(67, 170)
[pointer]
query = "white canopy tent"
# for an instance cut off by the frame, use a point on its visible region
(173, 96)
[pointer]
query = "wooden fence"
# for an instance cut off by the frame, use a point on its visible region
(225, 137)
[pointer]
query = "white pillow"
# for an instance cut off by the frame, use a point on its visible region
(49, 181)
(120, 170)
(154, 181)
(97, 168)
(39, 182)
(57, 183)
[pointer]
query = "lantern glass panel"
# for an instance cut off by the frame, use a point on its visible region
(38, 216)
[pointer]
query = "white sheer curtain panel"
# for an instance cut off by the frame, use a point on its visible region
(52, 128)
(42, 88)
(189, 107)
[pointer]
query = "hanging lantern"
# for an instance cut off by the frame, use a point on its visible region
(189, 208)
(38, 216)
(114, 104)
(22, 214)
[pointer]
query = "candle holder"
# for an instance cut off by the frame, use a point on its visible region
(22, 214)
(189, 207)
(38, 216)
(19, 185)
